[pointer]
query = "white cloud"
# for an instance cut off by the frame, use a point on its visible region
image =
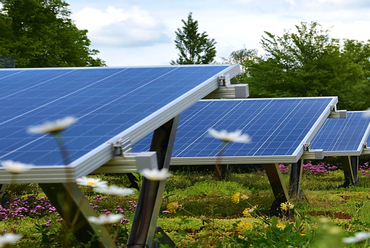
(143, 32)
(121, 28)
(353, 30)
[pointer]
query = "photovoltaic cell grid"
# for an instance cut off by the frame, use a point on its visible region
(342, 135)
(107, 101)
(278, 127)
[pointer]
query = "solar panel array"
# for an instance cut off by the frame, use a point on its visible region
(107, 102)
(279, 127)
(343, 136)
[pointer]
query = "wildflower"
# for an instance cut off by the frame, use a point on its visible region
(114, 190)
(244, 196)
(285, 206)
(15, 167)
(92, 182)
(359, 237)
(47, 223)
(247, 212)
(53, 127)
(173, 206)
(244, 226)
(280, 226)
(9, 239)
(105, 219)
(225, 136)
(166, 212)
(235, 198)
(155, 174)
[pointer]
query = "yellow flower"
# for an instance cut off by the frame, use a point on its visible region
(173, 206)
(244, 226)
(235, 198)
(246, 212)
(285, 206)
(281, 226)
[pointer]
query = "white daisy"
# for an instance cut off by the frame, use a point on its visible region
(92, 182)
(15, 167)
(114, 190)
(155, 174)
(53, 126)
(359, 237)
(236, 136)
(105, 219)
(9, 239)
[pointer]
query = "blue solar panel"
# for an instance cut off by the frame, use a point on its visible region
(341, 135)
(278, 127)
(107, 102)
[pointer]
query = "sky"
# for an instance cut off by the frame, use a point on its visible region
(142, 32)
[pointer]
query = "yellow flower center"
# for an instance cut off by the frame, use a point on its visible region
(91, 183)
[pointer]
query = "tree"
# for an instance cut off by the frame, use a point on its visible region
(310, 63)
(194, 47)
(39, 33)
(240, 57)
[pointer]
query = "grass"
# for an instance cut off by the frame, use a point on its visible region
(208, 217)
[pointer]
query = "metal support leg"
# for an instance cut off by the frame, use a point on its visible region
(133, 180)
(68, 199)
(151, 194)
(295, 178)
(348, 171)
(278, 187)
(355, 165)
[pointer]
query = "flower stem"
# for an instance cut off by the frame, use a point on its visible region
(62, 148)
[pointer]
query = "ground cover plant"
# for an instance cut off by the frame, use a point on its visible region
(201, 208)
(200, 212)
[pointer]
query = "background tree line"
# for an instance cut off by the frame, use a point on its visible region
(39, 33)
(308, 63)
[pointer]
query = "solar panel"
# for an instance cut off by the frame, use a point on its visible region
(343, 136)
(279, 127)
(110, 103)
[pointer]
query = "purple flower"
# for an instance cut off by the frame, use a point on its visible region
(47, 223)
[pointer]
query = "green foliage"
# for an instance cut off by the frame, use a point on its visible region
(273, 236)
(310, 63)
(203, 188)
(39, 33)
(194, 47)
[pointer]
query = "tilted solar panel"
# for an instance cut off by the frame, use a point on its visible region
(279, 127)
(343, 136)
(110, 103)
